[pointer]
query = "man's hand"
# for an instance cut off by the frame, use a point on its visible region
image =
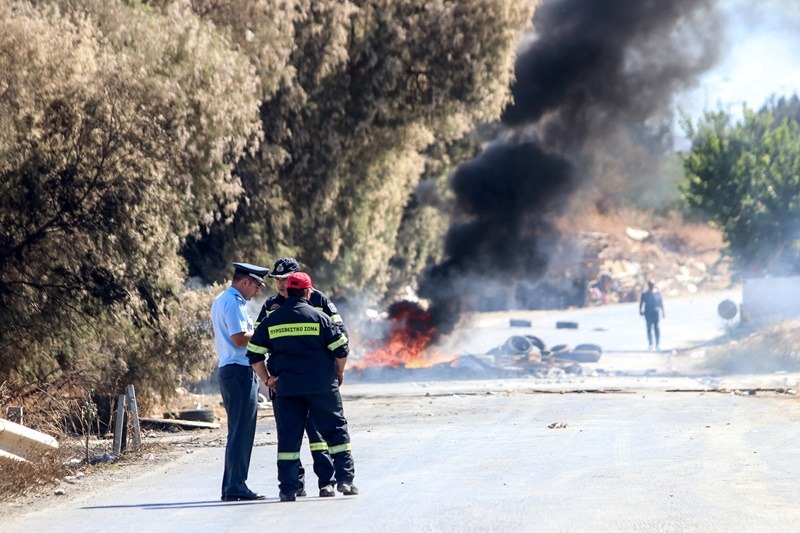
(272, 382)
(340, 378)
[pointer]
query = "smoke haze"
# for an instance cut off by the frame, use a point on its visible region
(591, 69)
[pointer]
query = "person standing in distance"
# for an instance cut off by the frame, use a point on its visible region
(651, 307)
(238, 384)
(323, 464)
(307, 355)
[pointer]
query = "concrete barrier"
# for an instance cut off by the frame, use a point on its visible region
(11, 458)
(24, 442)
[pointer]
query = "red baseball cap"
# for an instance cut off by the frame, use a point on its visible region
(298, 280)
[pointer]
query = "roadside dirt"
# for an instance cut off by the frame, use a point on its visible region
(160, 447)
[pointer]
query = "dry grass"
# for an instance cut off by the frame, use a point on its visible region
(59, 410)
(38, 474)
(766, 350)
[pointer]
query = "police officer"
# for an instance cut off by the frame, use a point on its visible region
(238, 384)
(307, 356)
(323, 465)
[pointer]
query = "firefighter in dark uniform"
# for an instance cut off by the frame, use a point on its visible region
(323, 465)
(307, 356)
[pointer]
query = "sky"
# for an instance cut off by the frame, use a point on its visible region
(761, 57)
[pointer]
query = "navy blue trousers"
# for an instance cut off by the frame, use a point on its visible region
(326, 412)
(239, 387)
(323, 464)
(651, 322)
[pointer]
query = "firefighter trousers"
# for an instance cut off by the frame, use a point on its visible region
(323, 464)
(326, 412)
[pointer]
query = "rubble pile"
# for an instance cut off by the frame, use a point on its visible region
(617, 269)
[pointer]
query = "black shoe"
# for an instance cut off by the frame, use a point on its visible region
(348, 489)
(287, 497)
(300, 493)
(244, 497)
(327, 492)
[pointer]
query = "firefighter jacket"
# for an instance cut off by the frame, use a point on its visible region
(301, 343)
(318, 301)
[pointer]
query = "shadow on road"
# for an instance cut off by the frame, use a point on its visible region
(181, 505)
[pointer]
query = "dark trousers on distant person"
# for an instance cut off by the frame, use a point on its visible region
(239, 387)
(326, 412)
(651, 320)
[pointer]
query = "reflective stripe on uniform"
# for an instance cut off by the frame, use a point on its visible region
(318, 446)
(337, 319)
(294, 330)
(340, 448)
(256, 348)
(288, 456)
(340, 342)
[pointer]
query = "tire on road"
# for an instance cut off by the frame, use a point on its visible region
(580, 357)
(559, 348)
(517, 345)
(588, 348)
(536, 341)
(196, 415)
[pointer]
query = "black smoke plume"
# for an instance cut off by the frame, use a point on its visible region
(591, 69)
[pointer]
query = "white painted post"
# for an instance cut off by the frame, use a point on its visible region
(134, 410)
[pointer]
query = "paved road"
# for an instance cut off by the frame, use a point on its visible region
(482, 456)
(690, 321)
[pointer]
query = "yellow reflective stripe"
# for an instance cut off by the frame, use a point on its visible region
(340, 448)
(318, 446)
(255, 348)
(337, 319)
(255, 326)
(335, 344)
(293, 330)
(288, 456)
(319, 309)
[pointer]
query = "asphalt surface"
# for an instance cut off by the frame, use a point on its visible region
(641, 442)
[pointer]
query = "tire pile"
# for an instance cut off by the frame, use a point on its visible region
(531, 353)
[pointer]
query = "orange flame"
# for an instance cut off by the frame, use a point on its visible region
(410, 334)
